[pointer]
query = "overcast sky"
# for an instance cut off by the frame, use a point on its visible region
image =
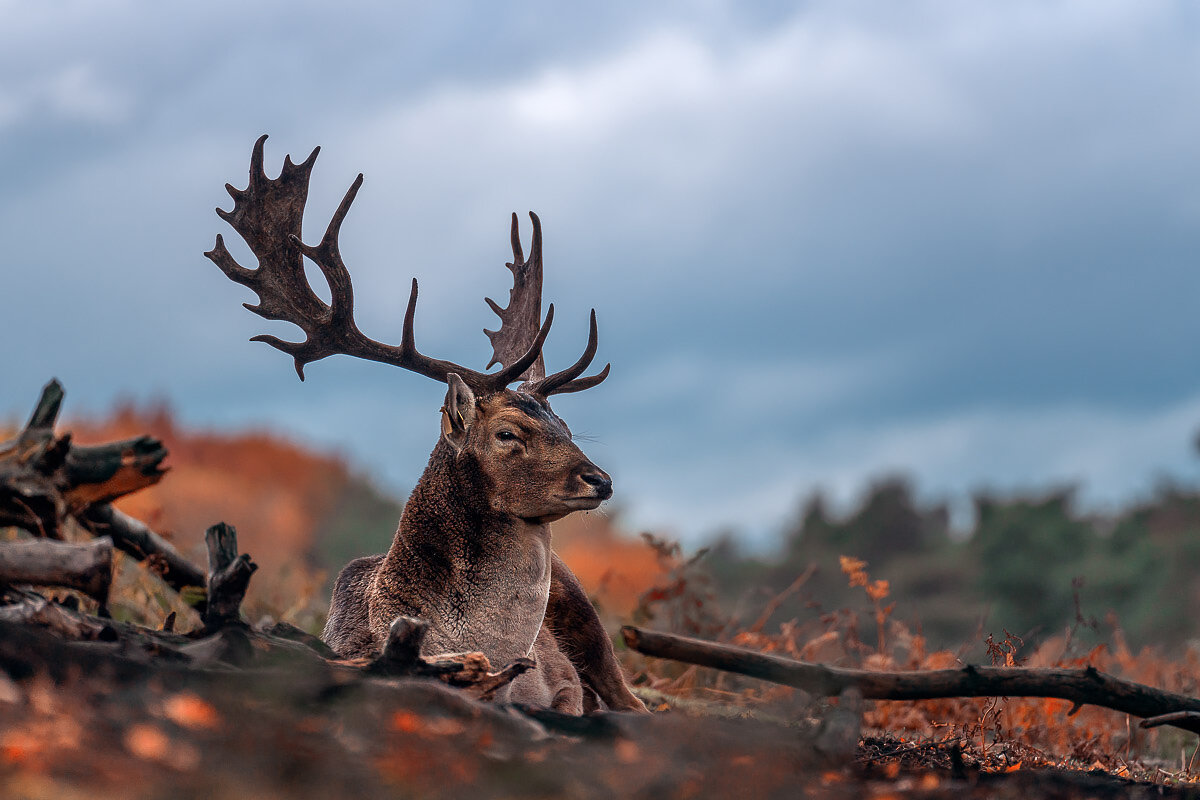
(826, 241)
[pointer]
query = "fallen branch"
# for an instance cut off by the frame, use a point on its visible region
(66, 623)
(1174, 718)
(401, 656)
(45, 478)
(86, 567)
(133, 537)
(1086, 686)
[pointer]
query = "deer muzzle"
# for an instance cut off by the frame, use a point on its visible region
(598, 480)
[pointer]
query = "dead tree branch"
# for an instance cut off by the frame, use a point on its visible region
(401, 656)
(135, 538)
(86, 567)
(1086, 686)
(66, 623)
(44, 477)
(228, 576)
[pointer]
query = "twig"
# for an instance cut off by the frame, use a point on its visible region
(773, 605)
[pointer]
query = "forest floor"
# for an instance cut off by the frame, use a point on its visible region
(83, 721)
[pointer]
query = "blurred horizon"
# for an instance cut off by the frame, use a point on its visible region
(827, 242)
(1032, 565)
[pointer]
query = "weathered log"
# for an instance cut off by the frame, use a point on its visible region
(133, 537)
(228, 576)
(402, 649)
(66, 623)
(28, 497)
(44, 477)
(1086, 686)
(86, 567)
(485, 683)
(285, 630)
(401, 656)
(102, 473)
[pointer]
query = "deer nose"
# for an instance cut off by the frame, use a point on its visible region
(598, 480)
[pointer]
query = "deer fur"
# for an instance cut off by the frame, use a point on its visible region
(473, 556)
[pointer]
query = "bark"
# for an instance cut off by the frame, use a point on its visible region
(45, 477)
(86, 567)
(471, 671)
(1086, 686)
(228, 576)
(66, 623)
(401, 650)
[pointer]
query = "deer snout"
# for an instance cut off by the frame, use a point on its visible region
(599, 481)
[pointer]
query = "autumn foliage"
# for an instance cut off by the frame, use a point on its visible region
(287, 501)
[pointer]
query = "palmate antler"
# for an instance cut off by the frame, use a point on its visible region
(268, 213)
(519, 324)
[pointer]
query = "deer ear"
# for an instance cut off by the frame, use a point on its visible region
(458, 412)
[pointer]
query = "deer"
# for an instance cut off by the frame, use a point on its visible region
(472, 553)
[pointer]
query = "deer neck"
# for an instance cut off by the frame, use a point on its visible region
(481, 578)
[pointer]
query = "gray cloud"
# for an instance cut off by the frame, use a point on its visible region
(823, 242)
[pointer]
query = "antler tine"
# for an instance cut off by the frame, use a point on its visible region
(410, 358)
(580, 384)
(328, 257)
(514, 235)
(338, 330)
(519, 322)
(568, 380)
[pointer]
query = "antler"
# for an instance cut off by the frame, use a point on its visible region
(268, 215)
(519, 324)
(519, 321)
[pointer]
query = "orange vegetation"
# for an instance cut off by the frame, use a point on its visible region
(276, 493)
(279, 495)
(994, 734)
(614, 568)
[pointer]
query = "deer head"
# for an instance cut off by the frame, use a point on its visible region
(518, 450)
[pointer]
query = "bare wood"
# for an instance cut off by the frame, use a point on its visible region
(228, 576)
(285, 630)
(69, 624)
(485, 685)
(134, 537)
(1086, 686)
(1174, 718)
(402, 648)
(471, 671)
(45, 477)
(102, 473)
(86, 567)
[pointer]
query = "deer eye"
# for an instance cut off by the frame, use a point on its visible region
(506, 436)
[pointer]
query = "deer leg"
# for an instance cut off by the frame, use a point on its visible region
(583, 639)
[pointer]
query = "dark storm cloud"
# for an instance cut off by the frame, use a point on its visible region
(953, 238)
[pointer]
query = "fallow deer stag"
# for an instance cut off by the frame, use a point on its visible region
(472, 553)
